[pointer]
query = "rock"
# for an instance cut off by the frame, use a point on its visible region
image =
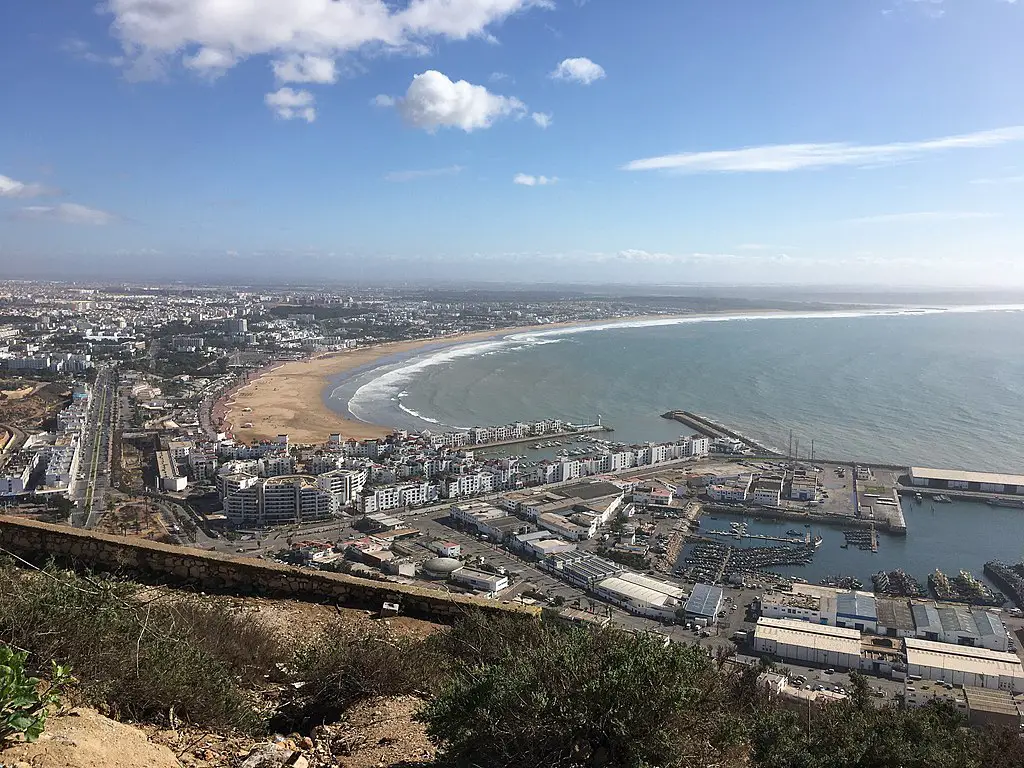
(86, 739)
(272, 756)
(306, 743)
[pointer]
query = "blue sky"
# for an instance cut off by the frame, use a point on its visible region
(668, 141)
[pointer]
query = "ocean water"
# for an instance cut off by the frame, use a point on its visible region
(934, 387)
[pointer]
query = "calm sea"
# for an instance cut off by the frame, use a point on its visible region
(942, 389)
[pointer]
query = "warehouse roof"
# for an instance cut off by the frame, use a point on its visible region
(807, 635)
(895, 614)
(659, 586)
(990, 700)
(859, 605)
(962, 658)
(926, 618)
(704, 600)
(995, 478)
(637, 593)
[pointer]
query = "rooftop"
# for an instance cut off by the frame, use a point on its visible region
(962, 658)
(990, 700)
(704, 600)
(807, 635)
(995, 478)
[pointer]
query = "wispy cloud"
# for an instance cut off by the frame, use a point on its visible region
(776, 158)
(999, 180)
(543, 119)
(13, 188)
(424, 173)
(889, 218)
(526, 180)
(67, 213)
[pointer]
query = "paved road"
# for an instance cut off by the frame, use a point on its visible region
(90, 486)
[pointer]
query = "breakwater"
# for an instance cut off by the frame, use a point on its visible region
(713, 429)
(895, 525)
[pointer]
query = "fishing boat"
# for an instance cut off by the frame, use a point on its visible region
(792, 532)
(918, 498)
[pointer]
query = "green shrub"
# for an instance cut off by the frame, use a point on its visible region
(25, 700)
(578, 697)
(135, 660)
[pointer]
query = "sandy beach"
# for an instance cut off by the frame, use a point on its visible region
(288, 399)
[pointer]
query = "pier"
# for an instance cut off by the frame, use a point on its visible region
(712, 429)
(585, 430)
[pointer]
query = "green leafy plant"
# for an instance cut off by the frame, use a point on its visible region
(25, 700)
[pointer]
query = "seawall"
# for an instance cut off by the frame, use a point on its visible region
(150, 561)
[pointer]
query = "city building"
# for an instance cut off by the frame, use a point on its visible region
(642, 595)
(489, 584)
(957, 480)
(167, 473)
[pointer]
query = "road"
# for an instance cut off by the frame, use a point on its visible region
(92, 481)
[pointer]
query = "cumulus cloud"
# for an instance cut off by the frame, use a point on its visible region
(153, 33)
(793, 157)
(543, 119)
(290, 104)
(578, 70)
(67, 213)
(209, 62)
(433, 101)
(13, 188)
(527, 180)
(425, 173)
(305, 68)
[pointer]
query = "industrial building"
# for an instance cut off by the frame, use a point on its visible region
(802, 641)
(704, 603)
(956, 480)
(856, 610)
(963, 666)
(989, 707)
(489, 584)
(642, 595)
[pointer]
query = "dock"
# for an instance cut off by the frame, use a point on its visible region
(589, 429)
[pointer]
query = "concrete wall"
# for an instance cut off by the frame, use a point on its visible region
(153, 562)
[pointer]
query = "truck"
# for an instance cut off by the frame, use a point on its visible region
(740, 636)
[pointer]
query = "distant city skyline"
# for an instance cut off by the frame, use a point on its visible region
(565, 141)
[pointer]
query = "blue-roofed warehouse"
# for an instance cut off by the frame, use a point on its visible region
(705, 602)
(856, 610)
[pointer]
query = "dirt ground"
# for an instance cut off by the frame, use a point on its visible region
(134, 519)
(30, 411)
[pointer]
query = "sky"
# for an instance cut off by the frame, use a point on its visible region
(852, 142)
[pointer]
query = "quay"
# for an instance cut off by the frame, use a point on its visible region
(712, 429)
(896, 526)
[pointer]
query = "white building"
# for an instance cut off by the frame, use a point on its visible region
(730, 490)
(767, 493)
(641, 595)
(963, 666)
(490, 584)
(167, 473)
(801, 641)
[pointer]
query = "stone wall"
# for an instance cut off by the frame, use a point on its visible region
(151, 562)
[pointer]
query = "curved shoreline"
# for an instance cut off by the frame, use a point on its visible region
(293, 397)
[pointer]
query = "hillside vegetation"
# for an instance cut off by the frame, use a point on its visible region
(496, 692)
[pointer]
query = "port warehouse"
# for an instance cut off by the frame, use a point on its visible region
(890, 617)
(843, 648)
(955, 480)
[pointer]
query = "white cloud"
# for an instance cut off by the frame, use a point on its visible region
(305, 68)
(497, 77)
(13, 188)
(527, 180)
(209, 62)
(579, 70)
(383, 100)
(81, 50)
(433, 101)
(543, 119)
(999, 180)
(289, 104)
(450, 170)
(890, 218)
(68, 213)
(792, 157)
(154, 33)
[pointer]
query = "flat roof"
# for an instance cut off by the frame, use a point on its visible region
(895, 614)
(656, 584)
(995, 478)
(805, 634)
(962, 658)
(635, 592)
(704, 600)
(593, 490)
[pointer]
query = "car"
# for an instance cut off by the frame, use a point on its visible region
(830, 671)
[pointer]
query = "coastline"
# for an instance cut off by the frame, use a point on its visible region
(290, 397)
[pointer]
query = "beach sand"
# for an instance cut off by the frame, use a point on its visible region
(288, 399)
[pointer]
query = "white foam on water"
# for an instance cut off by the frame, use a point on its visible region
(390, 385)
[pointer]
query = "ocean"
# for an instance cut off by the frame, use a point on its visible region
(940, 388)
(932, 387)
